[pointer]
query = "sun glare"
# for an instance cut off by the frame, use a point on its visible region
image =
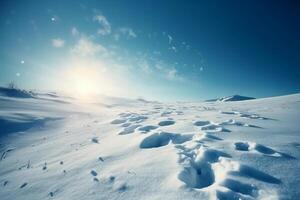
(85, 78)
(84, 81)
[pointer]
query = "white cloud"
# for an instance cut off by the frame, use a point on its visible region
(125, 31)
(172, 74)
(57, 42)
(86, 47)
(105, 28)
(173, 48)
(169, 73)
(144, 65)
(128, 32)
(170, 39)
(74, 31)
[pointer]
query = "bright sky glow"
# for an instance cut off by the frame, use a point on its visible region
(85, 77)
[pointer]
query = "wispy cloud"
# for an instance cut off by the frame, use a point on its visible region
(120, 58)
(124, 31)
(170, 39)
(129, 32)
(172, 74)
(105, 27)
(144, 65)
(74, 31)
(169, 73)
(173, 48)
(86, 47)
(57, 42)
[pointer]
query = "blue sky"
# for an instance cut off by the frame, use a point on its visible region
(162, 50)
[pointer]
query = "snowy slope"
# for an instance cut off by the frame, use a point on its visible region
(54, 147)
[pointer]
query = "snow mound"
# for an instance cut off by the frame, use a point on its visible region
(22, 122)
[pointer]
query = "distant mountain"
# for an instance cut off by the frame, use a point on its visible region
(231, 98)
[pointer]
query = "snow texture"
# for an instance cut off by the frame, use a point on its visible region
(56, 147)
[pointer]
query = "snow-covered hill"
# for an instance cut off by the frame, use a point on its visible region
(55, 147)
(231, 98)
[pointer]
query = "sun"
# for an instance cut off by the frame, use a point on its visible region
(84, 81)
(85, 78)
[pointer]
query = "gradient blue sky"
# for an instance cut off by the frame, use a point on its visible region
(165, 50)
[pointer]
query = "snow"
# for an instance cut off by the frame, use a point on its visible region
(232, 98)
(12, 92)
(57, 147)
